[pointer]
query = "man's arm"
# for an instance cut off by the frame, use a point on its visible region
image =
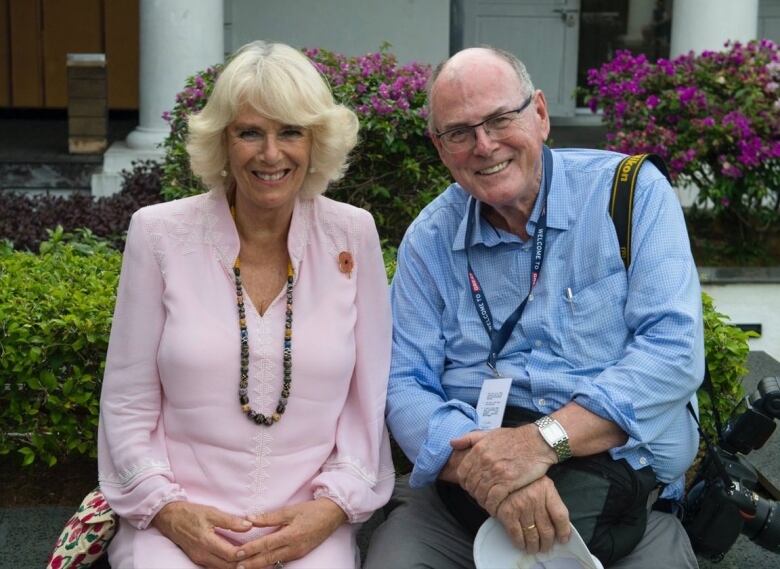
(421, 418)
(646, 391)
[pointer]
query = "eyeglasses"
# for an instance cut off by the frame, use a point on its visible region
(464, 138)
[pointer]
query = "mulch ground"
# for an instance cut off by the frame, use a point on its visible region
(64, 484)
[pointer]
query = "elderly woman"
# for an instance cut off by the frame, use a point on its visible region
(242, 413)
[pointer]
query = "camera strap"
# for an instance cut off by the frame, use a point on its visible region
(621, 205)
(707, 384)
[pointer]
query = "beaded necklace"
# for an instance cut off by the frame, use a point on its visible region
(243, 396)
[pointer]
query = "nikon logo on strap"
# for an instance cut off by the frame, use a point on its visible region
(621, 204)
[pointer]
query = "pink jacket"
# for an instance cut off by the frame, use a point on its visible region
(171, 426)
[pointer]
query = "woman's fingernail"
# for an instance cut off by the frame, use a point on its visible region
(241, 554)
(246, 523)
(240, 567)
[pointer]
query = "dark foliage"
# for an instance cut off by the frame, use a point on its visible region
(25, 219)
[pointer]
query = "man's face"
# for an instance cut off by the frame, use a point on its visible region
(501, 173)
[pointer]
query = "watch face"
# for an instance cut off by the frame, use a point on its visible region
(555, 432)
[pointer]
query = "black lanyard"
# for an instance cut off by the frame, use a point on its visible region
(499, 338)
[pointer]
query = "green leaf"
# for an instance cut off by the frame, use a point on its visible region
(29, 455)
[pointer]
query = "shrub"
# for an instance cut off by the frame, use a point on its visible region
(55, 316)
(714, 118)
(727, 350)
(24, 220)
(394, 170)
(178, 180)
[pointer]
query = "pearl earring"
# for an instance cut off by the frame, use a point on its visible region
(312, 170)
(223, 173)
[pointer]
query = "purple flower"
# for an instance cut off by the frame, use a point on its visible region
(729, 170)
(739, 123)
(652, 101)
(750, 151)
(725, 202)
(686, 94)
(666, 66)
(380, 107)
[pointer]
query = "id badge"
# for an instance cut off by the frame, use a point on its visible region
(492, 402)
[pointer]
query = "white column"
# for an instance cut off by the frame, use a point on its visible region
(177, 39)
(700, 25)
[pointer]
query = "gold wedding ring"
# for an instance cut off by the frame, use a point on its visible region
(529, 528)
(278, 565)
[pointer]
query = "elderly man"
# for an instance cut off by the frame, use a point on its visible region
(511, 300)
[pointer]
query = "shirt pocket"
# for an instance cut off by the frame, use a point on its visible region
(592, 322)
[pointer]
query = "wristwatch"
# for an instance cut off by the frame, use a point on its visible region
(555, 435)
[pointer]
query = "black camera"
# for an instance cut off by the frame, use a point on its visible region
(723, 501)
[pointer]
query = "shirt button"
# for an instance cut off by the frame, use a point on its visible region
(643, 461)
(542, 402)
(538, 343)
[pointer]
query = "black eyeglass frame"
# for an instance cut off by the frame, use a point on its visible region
(473, 127)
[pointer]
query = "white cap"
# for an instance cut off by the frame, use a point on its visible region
(493, 549)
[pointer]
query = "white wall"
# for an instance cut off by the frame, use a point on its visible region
(419, 30)
(699, 25)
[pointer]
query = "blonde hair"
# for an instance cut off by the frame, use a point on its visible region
(279, 83)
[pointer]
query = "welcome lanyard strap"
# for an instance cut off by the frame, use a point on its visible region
(499, 338)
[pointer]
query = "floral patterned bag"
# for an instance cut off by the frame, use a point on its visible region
(86, 534)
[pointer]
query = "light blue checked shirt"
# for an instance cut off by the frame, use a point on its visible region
(627, 346)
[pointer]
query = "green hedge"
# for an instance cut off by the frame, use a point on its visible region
(55, 317)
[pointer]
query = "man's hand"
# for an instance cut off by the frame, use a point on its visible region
(535, 516)
(191, 527)
(302, 527)
(500, 461)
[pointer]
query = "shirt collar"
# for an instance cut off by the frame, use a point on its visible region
(484, 233)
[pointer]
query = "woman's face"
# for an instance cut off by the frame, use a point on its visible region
(268, 160)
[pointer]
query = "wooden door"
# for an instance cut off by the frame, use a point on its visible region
(25, 53)
(37, 35)
(75, 26)
(5, 56)
(542, 33)
(122, 31)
